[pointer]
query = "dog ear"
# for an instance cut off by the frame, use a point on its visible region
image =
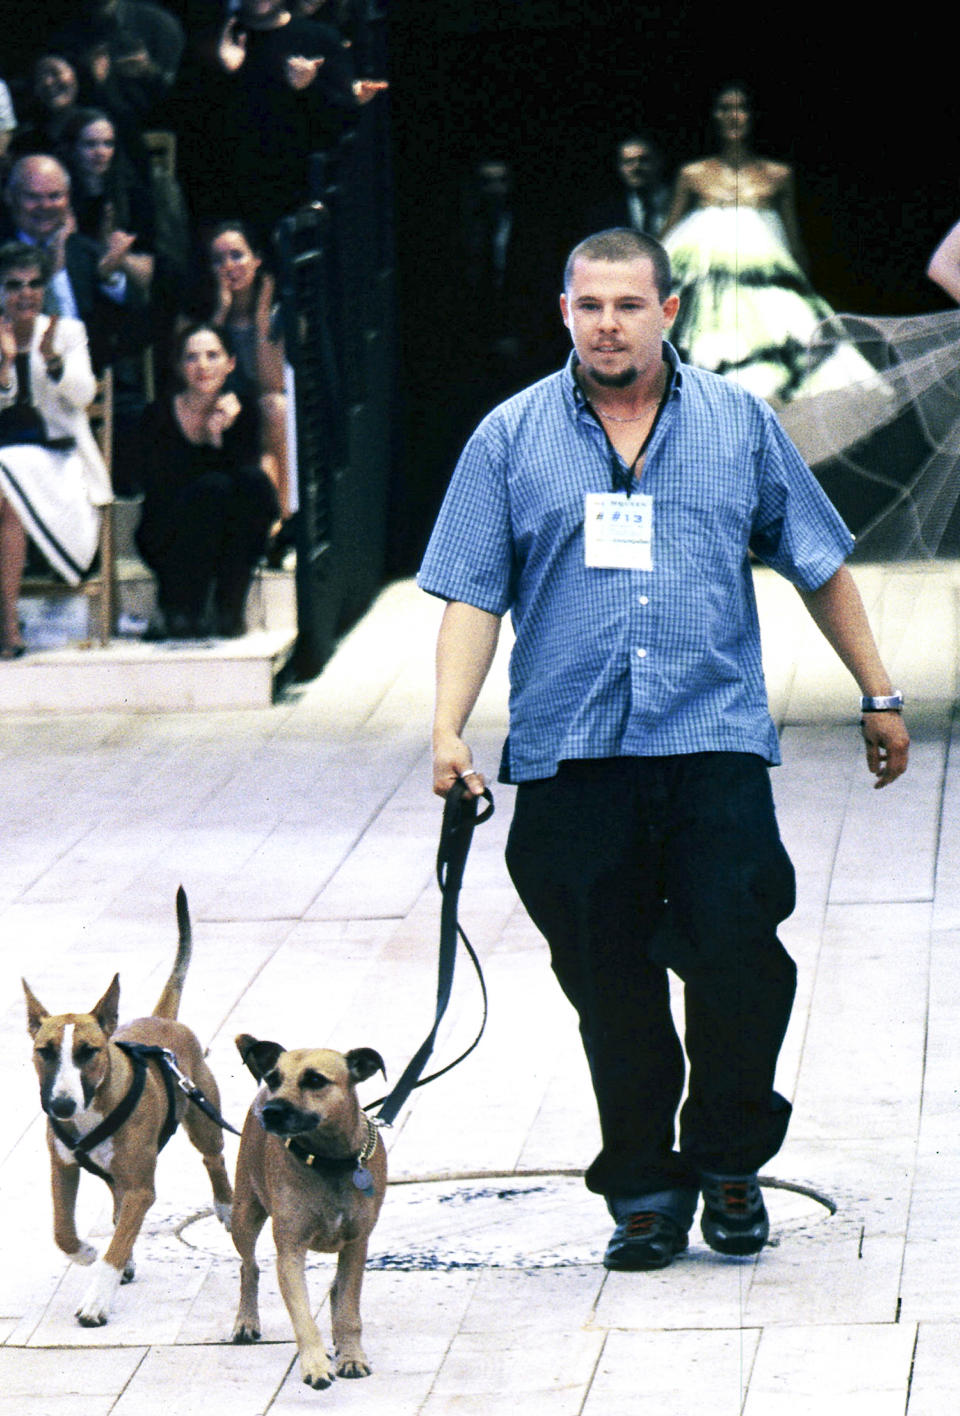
(107, 1010)
(258, 1057)
(362, 1062)
(36, 1012)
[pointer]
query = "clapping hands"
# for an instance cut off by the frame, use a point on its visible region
(8, 341)
(232, 49)
(301, 71)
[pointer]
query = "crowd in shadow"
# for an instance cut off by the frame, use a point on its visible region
(147, 153)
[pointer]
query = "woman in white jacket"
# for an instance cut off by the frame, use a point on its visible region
(53, 480)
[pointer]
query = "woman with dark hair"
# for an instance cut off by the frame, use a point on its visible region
(239, 297)
(53, 480)
(54, 92)
(106, 195)
(58, 88)
(747, 310)
(208, 503)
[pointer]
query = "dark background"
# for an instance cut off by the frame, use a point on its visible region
(865, 109)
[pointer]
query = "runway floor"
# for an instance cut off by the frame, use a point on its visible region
(305, 837)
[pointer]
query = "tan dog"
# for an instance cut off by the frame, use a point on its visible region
(85, 1078)
(311, 1161)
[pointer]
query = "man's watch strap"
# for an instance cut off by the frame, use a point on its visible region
(886, 703)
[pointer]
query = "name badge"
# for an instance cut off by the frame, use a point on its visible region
(618, 531)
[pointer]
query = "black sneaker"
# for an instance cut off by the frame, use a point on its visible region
(734, 1219)
(644, 1240)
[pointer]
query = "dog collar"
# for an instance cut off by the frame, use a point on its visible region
(339, 1164)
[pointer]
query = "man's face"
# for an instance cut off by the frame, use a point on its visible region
(616, 319)
(638, 165)
(55, 83)
(40, 200)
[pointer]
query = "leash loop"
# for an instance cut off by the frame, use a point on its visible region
(460, 816)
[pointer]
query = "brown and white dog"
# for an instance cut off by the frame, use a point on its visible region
(312, 1162)
(84, 1078)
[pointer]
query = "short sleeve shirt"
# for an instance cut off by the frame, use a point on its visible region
(632, 662)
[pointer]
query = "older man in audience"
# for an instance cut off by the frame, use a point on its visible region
(89, 281)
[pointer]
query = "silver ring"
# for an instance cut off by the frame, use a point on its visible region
(472, 773)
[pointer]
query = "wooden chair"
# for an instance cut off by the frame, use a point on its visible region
(100, 415)
(100, 586)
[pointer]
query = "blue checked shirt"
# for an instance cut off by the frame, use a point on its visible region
(618, 662)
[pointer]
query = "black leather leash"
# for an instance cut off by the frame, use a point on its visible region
(460, 816)
(171, 1069)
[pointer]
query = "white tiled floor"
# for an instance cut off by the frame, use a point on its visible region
(305, 834)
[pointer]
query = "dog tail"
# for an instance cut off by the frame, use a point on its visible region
(169, 1004)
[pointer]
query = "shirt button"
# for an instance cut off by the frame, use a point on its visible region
(644, 599)
(641, 653)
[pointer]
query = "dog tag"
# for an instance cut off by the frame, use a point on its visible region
(363, 1180)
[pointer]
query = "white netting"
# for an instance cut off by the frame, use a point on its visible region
(888, 444)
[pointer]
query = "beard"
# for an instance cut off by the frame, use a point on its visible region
(622, 380)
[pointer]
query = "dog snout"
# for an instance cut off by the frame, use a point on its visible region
(62, 1107)
(283, 1119)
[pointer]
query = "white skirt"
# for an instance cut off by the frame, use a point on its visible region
(747, 310)
(48, 491)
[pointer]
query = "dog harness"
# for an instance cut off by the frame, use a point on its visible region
(140, 1053)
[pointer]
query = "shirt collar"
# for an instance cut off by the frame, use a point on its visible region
(573, 393)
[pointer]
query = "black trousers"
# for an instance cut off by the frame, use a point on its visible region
(628, 867)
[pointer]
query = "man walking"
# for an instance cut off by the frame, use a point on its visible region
(613, 508)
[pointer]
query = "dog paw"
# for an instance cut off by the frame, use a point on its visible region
(246, 1332)
(351, 1367)
(315, 1370)
(95, 1308)
(85, 1255)
(129, 1272)
(224, 1213)
(95, 1318)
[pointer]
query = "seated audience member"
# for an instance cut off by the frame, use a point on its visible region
(57, 91)
(139, 45)
(89, 281)
(54, 93)
(208, 504)
(292, 83)
(643, 197)
(53, 480)
(237, 295)
(106, 195)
